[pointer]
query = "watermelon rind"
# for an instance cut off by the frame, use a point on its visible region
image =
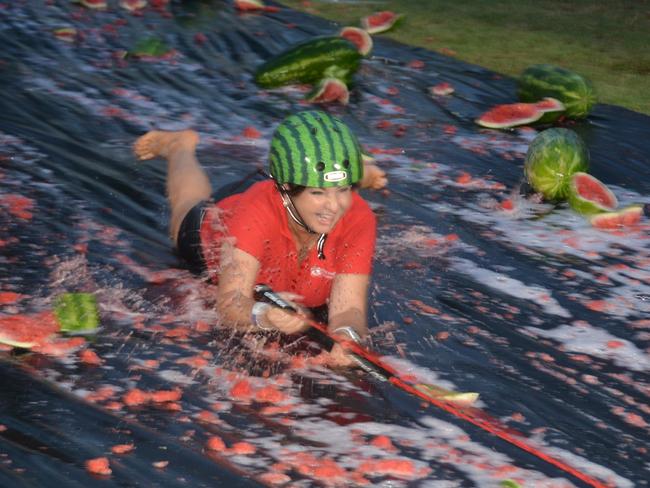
(310, 61)
(586, 206)
(553, 157)
(613, 220)
(509, 115)
(465, 398)
(545, 80)
(76, 312)
(320, 92)
(150, 47)
(390, 21)
(359, 37)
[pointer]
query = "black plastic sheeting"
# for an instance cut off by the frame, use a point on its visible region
(475, 287)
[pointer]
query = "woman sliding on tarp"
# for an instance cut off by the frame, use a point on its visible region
(304, 230)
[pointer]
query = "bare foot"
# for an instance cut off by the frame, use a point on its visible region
(373, 177)
(160, 143)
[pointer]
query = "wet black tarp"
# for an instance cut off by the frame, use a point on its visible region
(475, 287)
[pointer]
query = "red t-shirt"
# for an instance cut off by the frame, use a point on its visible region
(257, 221)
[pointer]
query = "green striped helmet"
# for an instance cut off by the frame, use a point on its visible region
(315, 149)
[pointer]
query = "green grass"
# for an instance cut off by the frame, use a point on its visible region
(607, 41)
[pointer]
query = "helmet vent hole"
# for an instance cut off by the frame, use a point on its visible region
(320, 166)
(314, 130)
(346, 163)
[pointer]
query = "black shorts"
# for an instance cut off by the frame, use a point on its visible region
(188, 245)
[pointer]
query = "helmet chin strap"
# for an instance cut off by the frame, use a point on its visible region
(297, 218)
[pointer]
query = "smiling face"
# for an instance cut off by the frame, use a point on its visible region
(322, 208)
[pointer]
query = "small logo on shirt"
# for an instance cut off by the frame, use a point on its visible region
(322, 273)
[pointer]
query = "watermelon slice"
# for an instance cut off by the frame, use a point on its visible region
(510, 115)
(133, 5)
(94, 4)
(329, 90)
(67, 34)
(359, 38)
(27, 331)
(380, 21)
(588, 195)
(249, 5)
(552, 110)
(626, 217)
(441, 89)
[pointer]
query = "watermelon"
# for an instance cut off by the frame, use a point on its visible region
(76, 312)
(441, 89)
(151, 47)
(359, 38)
(588, 195)
(553, 157)
(309, 62)
(249, 5)
(545, 80)
(552, 110)
(379, 22)
(133, 5)
(510, 115)
(329, 90)
(67, 34)
(628, 216)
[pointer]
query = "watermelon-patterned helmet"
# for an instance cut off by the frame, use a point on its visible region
(315, 149)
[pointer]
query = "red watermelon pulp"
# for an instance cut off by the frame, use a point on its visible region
(588, 195)
(379, 22)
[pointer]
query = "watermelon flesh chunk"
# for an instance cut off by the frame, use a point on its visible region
(510, 115)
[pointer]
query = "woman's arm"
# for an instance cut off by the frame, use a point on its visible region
(348, 307)
(235, 295)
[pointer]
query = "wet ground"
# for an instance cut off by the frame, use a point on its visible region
(475, 287)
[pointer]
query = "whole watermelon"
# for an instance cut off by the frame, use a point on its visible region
(552, 158)
(546, 80)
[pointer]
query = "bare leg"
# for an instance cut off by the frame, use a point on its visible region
(187, 183)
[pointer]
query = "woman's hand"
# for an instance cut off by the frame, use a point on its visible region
(286, 321)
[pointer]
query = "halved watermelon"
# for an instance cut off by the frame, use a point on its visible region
(329, 90)
(379, 22)
(614, 220)
(588, 195)
(510, 115)
(359, 38)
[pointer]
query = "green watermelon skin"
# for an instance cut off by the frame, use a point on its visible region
(76, 312)
(553, 157)
(309, 62)
(546, 80)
